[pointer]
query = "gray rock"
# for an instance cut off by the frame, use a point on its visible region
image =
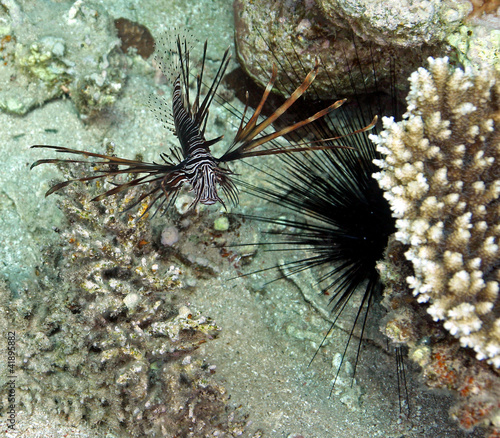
(298, 33)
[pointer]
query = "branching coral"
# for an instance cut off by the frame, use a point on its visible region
(442, 179)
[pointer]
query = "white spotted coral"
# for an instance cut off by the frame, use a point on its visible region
(441, 175)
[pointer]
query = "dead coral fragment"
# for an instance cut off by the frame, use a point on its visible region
(105, 337)
(442, 179)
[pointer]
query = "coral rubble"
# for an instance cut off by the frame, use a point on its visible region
(442, 179)
(76, 54)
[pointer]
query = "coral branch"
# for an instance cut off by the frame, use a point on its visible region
(441, 176)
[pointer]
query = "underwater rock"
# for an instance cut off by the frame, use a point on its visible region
(477, 40)
(400, 23)
(300, 32)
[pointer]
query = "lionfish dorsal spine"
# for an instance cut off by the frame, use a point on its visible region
(186, 129)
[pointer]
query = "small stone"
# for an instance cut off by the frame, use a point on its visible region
(131, 300)
(336, 361)
(184, 312)
(169, 236)
(13, 106)
(191, 282)
(221, 224)
(349, 369)
(452, 16)
(421, 355)
(183, 203)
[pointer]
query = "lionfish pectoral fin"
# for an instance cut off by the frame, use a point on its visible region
(119, 188)
(172, 183)
(309, 145)
(269, 137)
(299, 91)
(245, 140)
(111, 159)
(242, 120)
(152, 171)
(59, 186)
(245, 132)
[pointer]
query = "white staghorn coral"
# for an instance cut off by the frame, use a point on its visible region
(441, 176)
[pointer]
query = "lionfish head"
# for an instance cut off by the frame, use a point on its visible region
(204, 184)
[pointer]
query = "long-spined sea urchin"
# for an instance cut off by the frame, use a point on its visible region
(335, 215)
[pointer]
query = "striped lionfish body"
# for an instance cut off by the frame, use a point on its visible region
(199, 168)
(196, 166)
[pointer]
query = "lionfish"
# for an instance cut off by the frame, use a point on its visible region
(193, 163)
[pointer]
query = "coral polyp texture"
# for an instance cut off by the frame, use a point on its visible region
(441, 176)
